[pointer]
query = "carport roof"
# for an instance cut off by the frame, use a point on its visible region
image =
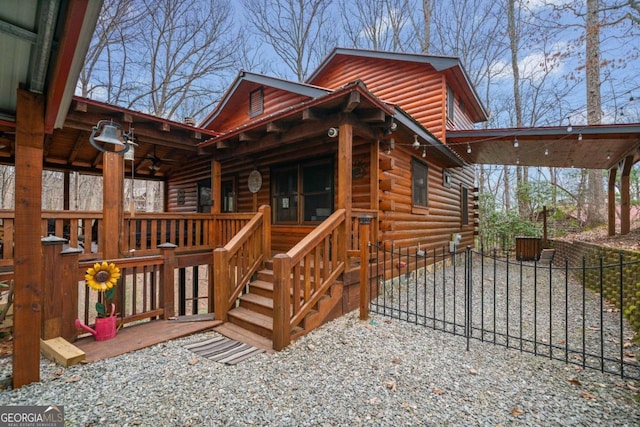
(589, 147)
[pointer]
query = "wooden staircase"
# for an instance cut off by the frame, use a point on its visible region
(254, 311)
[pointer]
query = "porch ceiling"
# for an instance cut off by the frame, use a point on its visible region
(175, 144)
(589, 147)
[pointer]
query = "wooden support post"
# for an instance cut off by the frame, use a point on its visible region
(611, 206)
(216, 186)
(365, 294)
(281, 301)
(167, 281)
(345, 160)
(221, 283)
(625, 196)
(69, 261)
(544, 227)
(60, 295)
(52, 295)
(113, 205)
(66, 190)
(266, 226)
(28, 250)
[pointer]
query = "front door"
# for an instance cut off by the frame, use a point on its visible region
(302, 193)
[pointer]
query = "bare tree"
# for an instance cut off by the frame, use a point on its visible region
(164, 57)
(298, 31)
(103, 74)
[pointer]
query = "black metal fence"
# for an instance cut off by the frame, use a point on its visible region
(536, 308)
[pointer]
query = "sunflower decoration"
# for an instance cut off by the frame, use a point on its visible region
(103, 277)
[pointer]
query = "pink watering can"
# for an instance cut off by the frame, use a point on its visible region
(105, 327)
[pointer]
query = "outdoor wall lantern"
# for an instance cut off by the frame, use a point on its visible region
(109, 132)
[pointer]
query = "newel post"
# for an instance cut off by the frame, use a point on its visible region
(167, 279)
(281, 301)
(365, 296)
(220, 283)
(266, 227)
(60, 284)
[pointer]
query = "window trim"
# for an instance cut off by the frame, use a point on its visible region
(419, 208)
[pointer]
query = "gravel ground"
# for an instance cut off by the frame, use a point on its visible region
(380, 372)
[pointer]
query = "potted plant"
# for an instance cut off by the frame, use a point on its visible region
(103, 277)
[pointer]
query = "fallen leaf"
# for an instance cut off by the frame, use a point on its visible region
(373, 400)
(193, 361)
(387, 320)
(632, 388)
(311, 346)
(473, 371)
(587, 395)
(396, 360)
(59, 372)
(629, 354)
(405, 405)
(73, 379)
(516, 412)
(438, 392)
(391, 385)
(574, 381)
(368, 326)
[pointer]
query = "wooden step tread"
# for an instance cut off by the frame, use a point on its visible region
(238, 333)
(258, 300)
(252, 317)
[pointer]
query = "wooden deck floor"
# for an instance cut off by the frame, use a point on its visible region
(140, 336)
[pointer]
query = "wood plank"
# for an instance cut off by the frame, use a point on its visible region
(140, 336)
(61, 351)
(28, 250)
(237, 333)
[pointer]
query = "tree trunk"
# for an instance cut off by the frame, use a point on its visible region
(595, 183)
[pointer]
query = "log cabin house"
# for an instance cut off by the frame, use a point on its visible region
(279, 183)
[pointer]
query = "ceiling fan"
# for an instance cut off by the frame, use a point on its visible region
(156, 161)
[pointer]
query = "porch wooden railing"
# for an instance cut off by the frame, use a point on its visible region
(304, 274)
(238, 260)
(146, 231)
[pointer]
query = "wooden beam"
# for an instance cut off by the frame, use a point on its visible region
(27, 249)
(273, 127)
(61, 351)
(345, 162)
(146, 132)
(611, 205)
(310, 114)
(372, 116)
(352, 102)
(625, 196)
(245, 137)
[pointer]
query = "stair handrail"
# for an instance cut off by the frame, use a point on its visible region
(238, 260)
(290, 278)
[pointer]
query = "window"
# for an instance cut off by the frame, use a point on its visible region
(256, 102)
(450, 104)
(420, 173)
(464, 194)
(302, 193)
